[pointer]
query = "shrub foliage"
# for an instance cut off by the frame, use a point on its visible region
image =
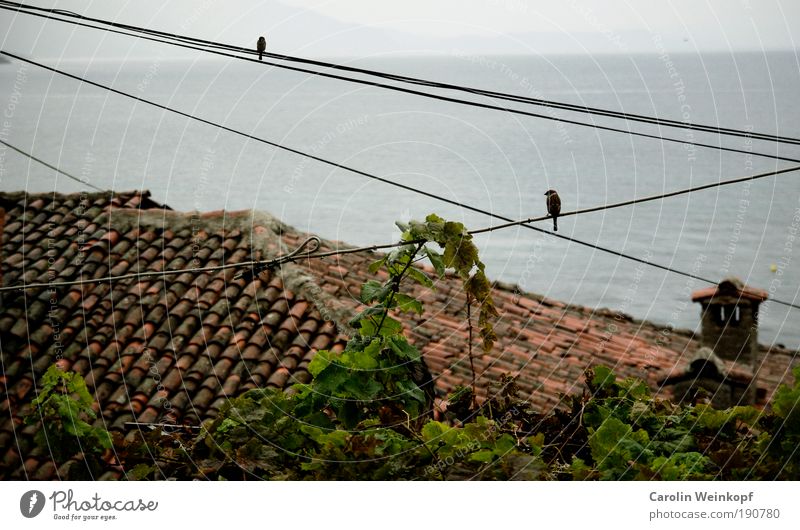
(367, 413)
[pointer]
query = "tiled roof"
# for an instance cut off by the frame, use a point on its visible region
(175, 349)
(733, 288)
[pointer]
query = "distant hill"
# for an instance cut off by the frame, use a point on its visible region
(298, 31)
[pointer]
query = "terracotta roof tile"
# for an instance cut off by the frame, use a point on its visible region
(197, 339)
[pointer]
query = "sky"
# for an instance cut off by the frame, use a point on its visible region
(376, 27)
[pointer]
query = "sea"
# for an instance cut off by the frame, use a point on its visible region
(497, 161)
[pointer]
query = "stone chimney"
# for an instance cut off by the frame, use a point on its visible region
(730, 321)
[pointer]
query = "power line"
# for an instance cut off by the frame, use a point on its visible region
(439, 97)
(254, 138)
(373, 177)
(54, 168)
(296, 255)
(209, 45)
(640, 200)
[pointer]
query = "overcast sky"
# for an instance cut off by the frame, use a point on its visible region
(375, 27)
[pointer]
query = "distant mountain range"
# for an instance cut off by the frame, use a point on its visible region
(294, 30)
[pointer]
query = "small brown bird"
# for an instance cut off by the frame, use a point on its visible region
(553, 206)
(261, 46)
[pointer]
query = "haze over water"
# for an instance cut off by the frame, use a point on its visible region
(500, 162)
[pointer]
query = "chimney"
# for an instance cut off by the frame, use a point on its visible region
(730, 320)
(729, 329)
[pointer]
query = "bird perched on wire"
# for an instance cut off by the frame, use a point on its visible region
(261, 46)
(553, 207)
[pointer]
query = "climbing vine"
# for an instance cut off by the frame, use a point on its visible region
(368, 411)
(63, 410)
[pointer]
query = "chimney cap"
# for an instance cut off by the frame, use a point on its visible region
(731, 287)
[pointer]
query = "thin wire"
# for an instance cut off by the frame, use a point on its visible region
(640, 200)
(252, 137)
(446, 98)
(374, 177)
(209, 45)
(213, 268)
(257, 266)
(50, 166)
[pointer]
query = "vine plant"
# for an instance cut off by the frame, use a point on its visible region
(63, 407)
(366, 412)
(380, 372)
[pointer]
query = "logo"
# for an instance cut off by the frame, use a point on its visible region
(31, 503)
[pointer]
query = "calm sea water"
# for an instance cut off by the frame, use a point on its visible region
(499, 162)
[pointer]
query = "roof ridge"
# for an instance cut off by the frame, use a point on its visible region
(145, 196)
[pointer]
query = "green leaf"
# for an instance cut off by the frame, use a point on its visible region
(410, 389)
(504, 444)
(347, 412)
(374, 290)
(603, 376)
(320, 361)
(366, 359)
(606, 439)
(433, 430)
(363, 387)
(408, 303)
(376, 265)
(369, 327)
(455, 256)
(485, 456)
(368, 312)
(786, 402)
(329, 381)
(478, 286)
(435, 223)
(419, 276)
(436, 260)
(403, 349)
(682, 466)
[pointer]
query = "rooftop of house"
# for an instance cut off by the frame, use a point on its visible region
(730, 288)
(176, 348)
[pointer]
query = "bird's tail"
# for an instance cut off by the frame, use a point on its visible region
(555, 224)
(260, 55)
